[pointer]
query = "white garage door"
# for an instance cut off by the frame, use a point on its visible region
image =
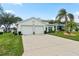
(39, 30)
(30, 29)
(26, 30)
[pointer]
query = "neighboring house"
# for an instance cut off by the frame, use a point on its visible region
(36, 26)
(2, 28)
(9, 28)
(13, 27)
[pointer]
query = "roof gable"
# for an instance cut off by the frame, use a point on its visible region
(33, 20)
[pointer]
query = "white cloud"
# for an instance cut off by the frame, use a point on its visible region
(11, 1)
(76, 16)
(53, 18)
(20, 4)
(77, 13)
(10, 11)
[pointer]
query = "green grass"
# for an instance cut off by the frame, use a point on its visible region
(61, 34)
(10, 45)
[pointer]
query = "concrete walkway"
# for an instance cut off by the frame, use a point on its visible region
(48, 45)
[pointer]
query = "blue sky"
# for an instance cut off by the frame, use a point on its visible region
(43, 10)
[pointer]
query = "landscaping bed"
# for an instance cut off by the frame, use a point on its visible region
(10, 45)
(61, 34)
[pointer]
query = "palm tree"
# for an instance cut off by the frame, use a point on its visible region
(64, 14)
(71, 24)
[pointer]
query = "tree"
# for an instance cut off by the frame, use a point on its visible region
(1, 9)
(18, 19)
(63, 14)
(7, 19)
(51, 21)
(1, 13)
(71, 24)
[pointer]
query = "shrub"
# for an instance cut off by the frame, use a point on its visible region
(19, 33)
(45, 32)
(1, 32)
(15, 33)
(77, 29)
(33, 33)
(54, 31)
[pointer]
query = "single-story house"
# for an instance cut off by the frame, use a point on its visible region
(13, 27)
(1, 30)
(2, 27)
(9, 28)
(36, 26)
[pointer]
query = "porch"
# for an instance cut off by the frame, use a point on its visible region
(54, 27)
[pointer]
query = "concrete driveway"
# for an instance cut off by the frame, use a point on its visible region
(48, 45)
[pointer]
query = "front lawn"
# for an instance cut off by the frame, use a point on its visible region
(61, 34)
(10, 45)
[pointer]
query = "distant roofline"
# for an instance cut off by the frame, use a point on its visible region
(42, 20)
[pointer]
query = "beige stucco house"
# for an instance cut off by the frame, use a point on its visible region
(34, 25)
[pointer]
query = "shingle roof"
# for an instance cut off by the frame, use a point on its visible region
(34, 18)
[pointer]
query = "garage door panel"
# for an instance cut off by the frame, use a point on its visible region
(39, 30)
(26, 30)
(30, 29)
